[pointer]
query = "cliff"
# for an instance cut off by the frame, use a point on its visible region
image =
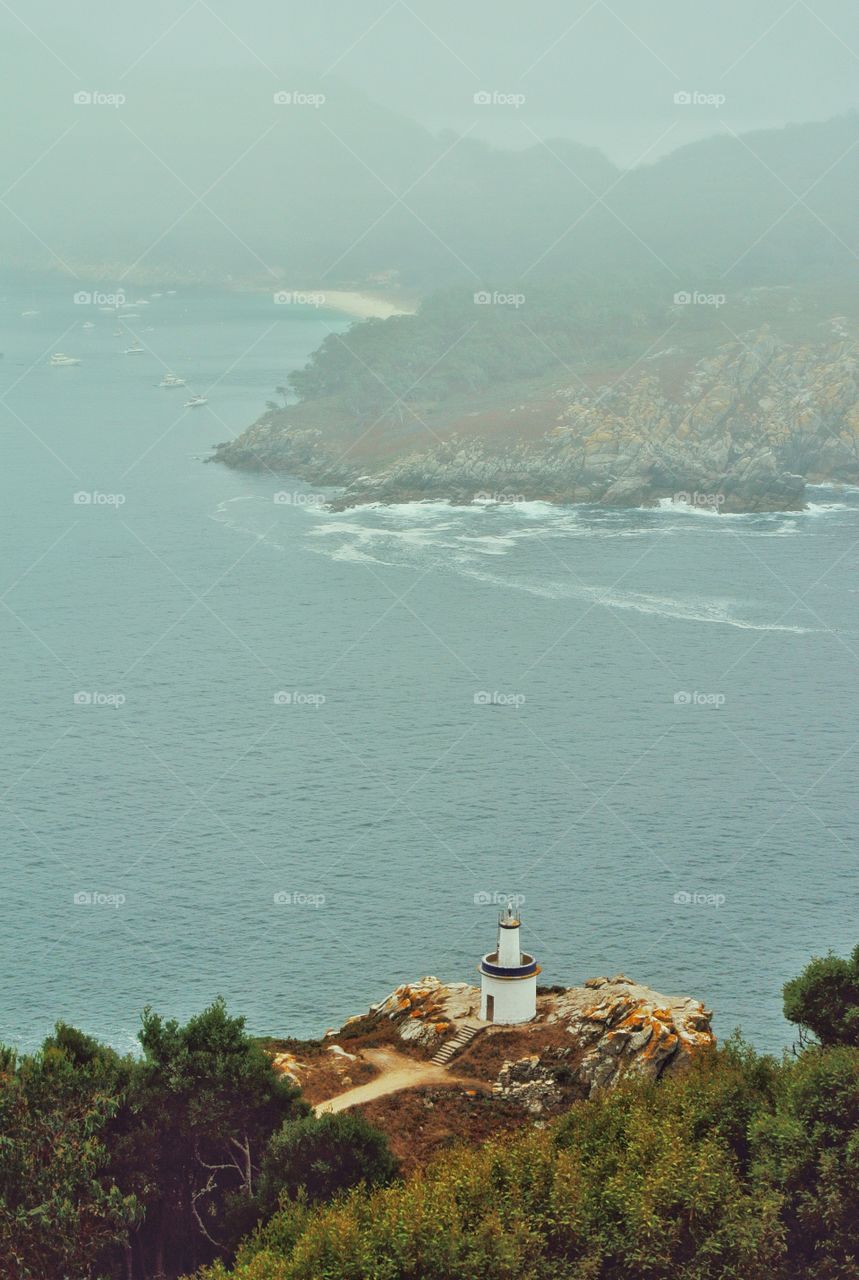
(742, 429)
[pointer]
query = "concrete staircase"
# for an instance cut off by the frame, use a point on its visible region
(464, 1035)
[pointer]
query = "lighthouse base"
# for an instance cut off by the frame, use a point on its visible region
(508, 1000)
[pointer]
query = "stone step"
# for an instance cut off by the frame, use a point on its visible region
(458, 1041)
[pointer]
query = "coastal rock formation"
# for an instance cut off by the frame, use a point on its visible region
(741, 430)
(609, 1028)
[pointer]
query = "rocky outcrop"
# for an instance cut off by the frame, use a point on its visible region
(624, 1028)
(741, 430)
(611, 1028)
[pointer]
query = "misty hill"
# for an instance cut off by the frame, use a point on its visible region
(205, 174)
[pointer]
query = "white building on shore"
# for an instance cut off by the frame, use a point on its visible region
(508, 976)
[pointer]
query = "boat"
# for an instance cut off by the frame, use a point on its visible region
(60, 358)
(195, 402)
(119, 333)
(170, 380)
(87, 324)
(136, 350)
(30, 313)
(156, 295)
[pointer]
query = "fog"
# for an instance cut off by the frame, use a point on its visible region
(429, 139)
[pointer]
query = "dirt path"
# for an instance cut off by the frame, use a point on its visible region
(396, 1072)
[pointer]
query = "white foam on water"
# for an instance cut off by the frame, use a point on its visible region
(692, 609)
(824, 508)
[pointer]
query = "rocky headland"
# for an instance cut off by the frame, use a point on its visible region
(743, 429)
(422, 1066)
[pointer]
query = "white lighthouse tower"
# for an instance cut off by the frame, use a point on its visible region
(508, 976)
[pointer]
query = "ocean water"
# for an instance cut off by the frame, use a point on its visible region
(295, 757)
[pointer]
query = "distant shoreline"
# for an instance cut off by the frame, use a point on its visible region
(361, 304)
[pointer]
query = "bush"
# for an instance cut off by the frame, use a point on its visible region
(824, 999)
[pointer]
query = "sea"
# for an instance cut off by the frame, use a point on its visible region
(293, 757)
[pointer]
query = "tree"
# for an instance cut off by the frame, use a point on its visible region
(824, 999)
(59, 1210)
(204, 1104)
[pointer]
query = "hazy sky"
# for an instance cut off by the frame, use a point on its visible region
(603, 73)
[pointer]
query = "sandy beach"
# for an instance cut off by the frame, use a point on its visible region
(366, 306)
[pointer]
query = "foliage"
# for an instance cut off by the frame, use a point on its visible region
(454, 346)
(323, 1157)
(122, 1166)
(824, 999)
(809, 1148)
(58, 1209)
(647, 1181)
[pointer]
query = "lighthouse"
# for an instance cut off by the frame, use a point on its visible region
(508, 976)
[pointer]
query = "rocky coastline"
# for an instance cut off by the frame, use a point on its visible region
(743, 430)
